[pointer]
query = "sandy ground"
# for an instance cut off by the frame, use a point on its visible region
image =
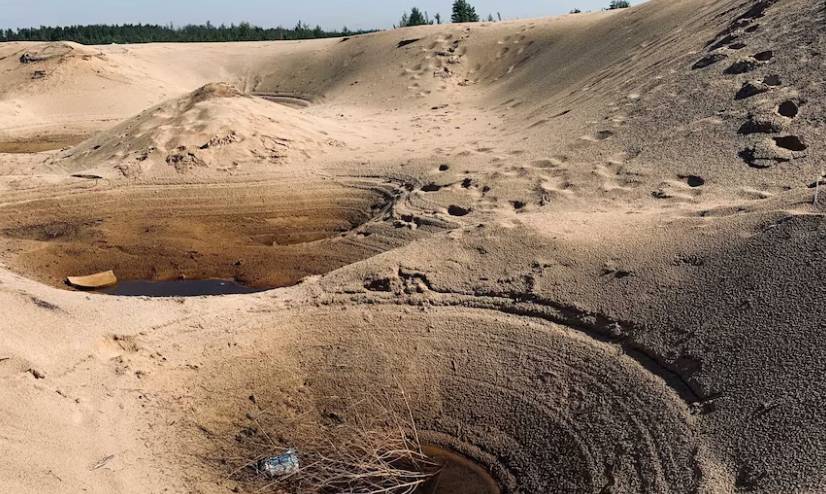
(586, 247)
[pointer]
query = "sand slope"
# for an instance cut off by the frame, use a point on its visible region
(586, 247)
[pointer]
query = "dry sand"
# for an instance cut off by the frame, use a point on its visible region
(586, 247)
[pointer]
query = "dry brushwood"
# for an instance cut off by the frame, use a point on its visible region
(375, 450)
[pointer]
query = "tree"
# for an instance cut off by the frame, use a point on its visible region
(146, 33)
(619, 4)
(464, 12)
(490, 18)
(416, 18)
(438, 18)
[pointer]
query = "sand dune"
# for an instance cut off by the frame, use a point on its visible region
(586, 247)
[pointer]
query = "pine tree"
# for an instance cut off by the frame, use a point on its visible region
(464, 12)
(416, 18)
(619, 4)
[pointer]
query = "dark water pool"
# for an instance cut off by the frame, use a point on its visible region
(177, 288)
(459, 475)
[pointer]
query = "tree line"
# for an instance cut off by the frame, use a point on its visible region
(462, 12)
(97, 34)
(465, 12)
(152, 33)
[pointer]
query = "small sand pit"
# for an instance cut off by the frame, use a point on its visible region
(247, 237)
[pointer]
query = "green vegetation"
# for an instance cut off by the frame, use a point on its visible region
(464, 12)
(416, 18)
(148, 33)
(619, 4)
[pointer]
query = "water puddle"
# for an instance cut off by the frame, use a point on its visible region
(177, 288)
(459, 475)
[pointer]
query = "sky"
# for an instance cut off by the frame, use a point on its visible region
(330, 14)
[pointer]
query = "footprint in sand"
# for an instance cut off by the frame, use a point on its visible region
(693, 180)
(788, 109)
(601, 135)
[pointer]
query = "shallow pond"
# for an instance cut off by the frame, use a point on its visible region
(177, 288)
(459, 475)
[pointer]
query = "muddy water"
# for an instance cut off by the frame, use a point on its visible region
(177, 288)
(459, 475)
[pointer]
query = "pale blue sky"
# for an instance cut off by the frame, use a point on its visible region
(328, 13)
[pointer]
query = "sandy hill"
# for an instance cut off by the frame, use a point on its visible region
(215, 128)
(589, 250)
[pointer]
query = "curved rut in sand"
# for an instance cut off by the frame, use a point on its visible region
(593, 325)
(542, 406)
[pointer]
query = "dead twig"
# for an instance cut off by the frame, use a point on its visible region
(374, 448)
(101, 463)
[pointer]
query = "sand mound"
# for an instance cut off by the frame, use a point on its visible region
(214, 129)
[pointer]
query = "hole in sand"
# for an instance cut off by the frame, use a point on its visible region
(750, 89)
(455, 210)
(788, 109)
(757, 10)
(255, 407)
(694, 180)
(772, 80)
(406, 42)
(431, 187)
(708, 60)
(764, 56)
(261, 236)
(792, 143)
(756, 125)
(741, 67)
